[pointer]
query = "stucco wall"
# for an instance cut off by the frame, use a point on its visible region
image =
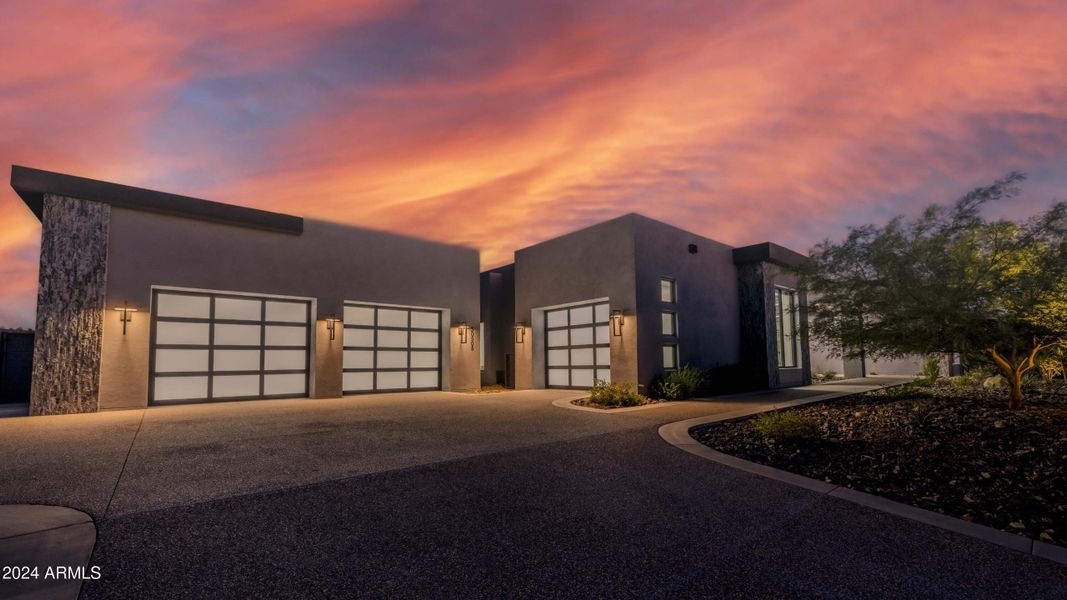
(707, 302)
(70, 303)
(595, 262)
(329, 262)
(498, 315)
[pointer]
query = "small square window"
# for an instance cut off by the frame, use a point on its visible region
(667, 291)
(670, 357)
(669, 324)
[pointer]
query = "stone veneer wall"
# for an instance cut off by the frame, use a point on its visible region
(70, 304)
(757, 347)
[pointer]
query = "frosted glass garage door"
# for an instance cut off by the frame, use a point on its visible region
(578, 346)
(216, 346)
(389, 349)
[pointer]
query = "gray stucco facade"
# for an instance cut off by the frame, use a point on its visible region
(498, 311)
(723, 305)
(120, 246)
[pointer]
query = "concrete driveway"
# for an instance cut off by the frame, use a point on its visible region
(442, 494)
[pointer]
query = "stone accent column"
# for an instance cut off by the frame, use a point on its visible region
(757, 346)
(70, 305)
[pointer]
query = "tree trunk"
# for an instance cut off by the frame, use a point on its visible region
(1015, 369)
(1015, 399)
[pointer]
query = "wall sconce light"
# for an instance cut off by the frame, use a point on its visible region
(465, 332)
(126, 316)
(331, 325)
(520, 332)
(616, 322)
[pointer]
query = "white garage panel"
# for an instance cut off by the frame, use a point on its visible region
(391, 349)
(214, 345)
(578, 345)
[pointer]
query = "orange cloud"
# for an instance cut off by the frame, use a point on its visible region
(499, 125)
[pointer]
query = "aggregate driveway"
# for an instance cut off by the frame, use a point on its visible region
(440, 494)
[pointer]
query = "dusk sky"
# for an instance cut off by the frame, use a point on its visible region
(500, 124)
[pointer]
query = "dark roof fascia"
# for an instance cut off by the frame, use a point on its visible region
(32, 184)
(770, 253)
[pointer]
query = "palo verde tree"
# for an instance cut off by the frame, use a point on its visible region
(950, 280)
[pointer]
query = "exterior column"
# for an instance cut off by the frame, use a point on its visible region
(70, 306)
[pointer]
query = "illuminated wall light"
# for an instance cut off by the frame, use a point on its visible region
(465, 333)
(616, 322)
(126, 316)
(520, 332)
(331, 325)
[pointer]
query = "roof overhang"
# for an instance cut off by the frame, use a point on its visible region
(32, 184)
(770, 253)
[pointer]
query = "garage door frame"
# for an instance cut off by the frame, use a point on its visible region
(374, 348)
(594, 324)
(210, 347)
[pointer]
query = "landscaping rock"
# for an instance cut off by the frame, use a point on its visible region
(950, 449)
(995, 382)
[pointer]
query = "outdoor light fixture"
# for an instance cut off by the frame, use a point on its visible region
(127, 314)
(331, 325)
(464, 333)
(520, 332)
(616, 322)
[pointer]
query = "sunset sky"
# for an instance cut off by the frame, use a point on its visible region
(498, 124)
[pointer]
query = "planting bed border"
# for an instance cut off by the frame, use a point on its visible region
(677, 434)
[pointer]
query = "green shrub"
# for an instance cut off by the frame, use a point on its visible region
(932, 368)
(973, 378)
(921, 413)
(820, 376)
(615, 394)
(786, 426)
(680, 384)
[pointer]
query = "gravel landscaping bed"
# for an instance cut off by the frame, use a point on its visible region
(953, 450)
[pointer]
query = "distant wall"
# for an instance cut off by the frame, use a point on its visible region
(498, 316)
(16, 366)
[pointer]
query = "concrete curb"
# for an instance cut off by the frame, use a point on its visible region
(567, 403)
(677, 434)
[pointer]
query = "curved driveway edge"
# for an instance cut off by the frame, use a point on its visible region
(55, 540)
(677, 434)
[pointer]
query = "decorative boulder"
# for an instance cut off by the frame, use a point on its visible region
(994, 382)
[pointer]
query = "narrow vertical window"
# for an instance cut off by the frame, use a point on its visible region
(481, 344)
(787, 327)
(669, 324)
(670, 357)
(667, 291)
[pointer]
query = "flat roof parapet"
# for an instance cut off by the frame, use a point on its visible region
(32, 184)
(769, 252)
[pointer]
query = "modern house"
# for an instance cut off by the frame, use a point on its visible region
(151, 298)
(633, 298)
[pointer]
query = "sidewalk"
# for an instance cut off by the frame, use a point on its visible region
(48, 548)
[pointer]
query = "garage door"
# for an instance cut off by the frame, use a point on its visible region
(391, 349)
(220, 346)
(578, 344)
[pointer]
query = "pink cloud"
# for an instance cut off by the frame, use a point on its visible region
(499, 126)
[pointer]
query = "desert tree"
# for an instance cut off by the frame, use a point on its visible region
(950, 280)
